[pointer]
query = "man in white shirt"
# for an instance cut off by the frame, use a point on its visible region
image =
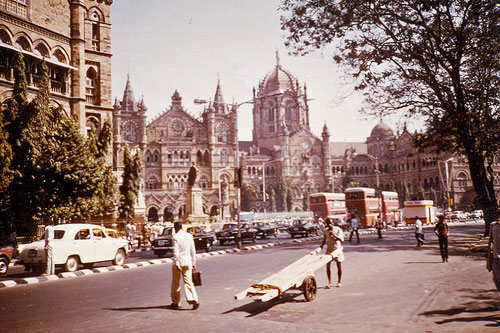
(419, 234)
(184, 263)
(333, 237)
(49, 248)
(354, 228)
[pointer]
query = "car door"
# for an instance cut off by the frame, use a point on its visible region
(84, 245)
(104, 246)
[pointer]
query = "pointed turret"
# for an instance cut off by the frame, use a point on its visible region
(326, 132)
(219, 104)
(128, 100)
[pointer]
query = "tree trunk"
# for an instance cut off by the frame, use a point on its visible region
(484, 188)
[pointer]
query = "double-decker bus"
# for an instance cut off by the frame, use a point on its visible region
(390, 207)
(328, 205)
(363, 203)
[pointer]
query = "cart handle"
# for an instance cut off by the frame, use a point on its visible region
(268, 287)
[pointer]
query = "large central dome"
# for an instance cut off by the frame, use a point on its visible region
(278, 81)
(381, 130)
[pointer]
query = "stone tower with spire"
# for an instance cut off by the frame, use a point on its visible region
(129, 125)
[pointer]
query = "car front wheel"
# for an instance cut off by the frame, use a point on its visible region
(4, 266)
(119, 258)
(71, 264)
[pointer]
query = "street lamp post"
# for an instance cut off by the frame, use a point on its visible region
(238, 193)
(377, 172)
(447, 183)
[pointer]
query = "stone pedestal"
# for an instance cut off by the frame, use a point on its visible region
(194, 204)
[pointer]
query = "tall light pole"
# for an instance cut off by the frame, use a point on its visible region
(235, 107)
(377, 172)
(447, 182)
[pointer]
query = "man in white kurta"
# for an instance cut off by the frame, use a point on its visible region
(184, 263)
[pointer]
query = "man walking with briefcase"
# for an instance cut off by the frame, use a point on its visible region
(184, 262)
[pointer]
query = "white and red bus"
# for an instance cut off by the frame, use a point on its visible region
(328, 205)
(363, 203)
(390, 207)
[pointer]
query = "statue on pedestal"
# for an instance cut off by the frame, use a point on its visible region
(193, 175)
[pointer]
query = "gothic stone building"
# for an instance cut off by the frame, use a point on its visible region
(283, 147)
(74, 39)
(171, 143)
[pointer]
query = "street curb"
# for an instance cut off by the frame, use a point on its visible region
(64, 275)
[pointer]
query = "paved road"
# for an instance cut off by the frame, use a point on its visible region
(389, 286)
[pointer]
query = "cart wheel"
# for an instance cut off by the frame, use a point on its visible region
(309, 288)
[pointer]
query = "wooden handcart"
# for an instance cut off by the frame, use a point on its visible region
(297, 275)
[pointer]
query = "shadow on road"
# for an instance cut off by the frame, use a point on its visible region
(484, 304)
(257, 307)
(146, 308)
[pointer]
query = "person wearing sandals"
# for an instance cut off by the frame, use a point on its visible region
(333, 236)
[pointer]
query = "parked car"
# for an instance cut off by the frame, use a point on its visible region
(6, 254)
(458, 215)
(265, 229)
(477, 214)
(163, 244)
(303, 228)
(75, 244)
(203, 239)
(229, 233)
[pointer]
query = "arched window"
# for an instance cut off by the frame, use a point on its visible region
(92, 125)
(95, 26)
(42, 50)
(129, 132)
(462, 180)
(153, 214)
(22, 42)
(222, 133)
(91, 86)
(156, 156)
(149, 156)
(4, 37)
(206, 158)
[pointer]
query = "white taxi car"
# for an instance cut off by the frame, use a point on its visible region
(75, 244)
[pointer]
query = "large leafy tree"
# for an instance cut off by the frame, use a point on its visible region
(58, 173)
(438, 59)
(129, 190)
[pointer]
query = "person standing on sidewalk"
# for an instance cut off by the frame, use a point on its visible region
(380, 226)
(493, 255)
(49, 249)
(442, 231)
(354, 228)
(419, 233)
(184, 262)
(333, 236)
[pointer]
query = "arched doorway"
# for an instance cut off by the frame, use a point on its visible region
(214, 211)
(168, 214)
(153, 214)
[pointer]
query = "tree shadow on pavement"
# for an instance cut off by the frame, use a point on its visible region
(146, 308)
(257, 307)
(484, 304)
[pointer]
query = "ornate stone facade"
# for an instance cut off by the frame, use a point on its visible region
(74, 39)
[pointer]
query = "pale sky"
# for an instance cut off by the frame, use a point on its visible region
(188, 44)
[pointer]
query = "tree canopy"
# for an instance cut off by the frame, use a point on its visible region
(58, 174)
(439, 59)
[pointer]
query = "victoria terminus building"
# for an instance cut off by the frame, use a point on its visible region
(284, 155)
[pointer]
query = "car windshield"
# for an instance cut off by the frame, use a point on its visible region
(229, 226)
(167, 231)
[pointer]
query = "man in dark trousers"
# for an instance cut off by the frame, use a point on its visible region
(442, 230)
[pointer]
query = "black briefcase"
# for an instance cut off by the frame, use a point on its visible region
(197, 278)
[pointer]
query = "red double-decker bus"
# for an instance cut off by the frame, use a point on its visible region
(390, 207)
(363, 203)
(328, 205)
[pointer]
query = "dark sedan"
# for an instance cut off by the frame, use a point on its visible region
(303, 229)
